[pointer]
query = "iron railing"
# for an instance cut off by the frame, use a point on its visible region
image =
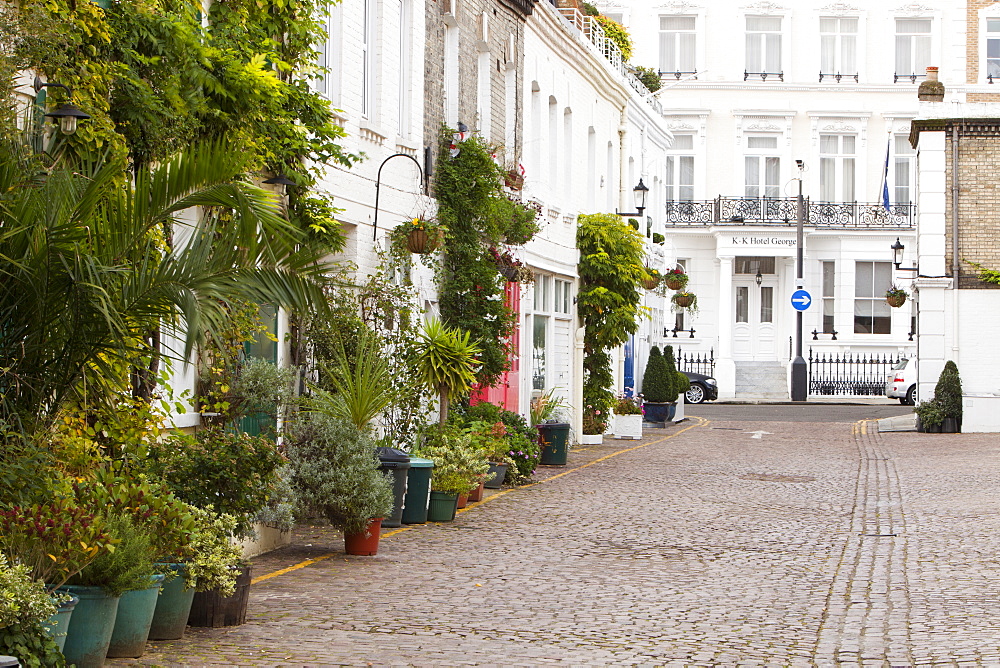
(837, 77)
(839, 373)
(763, 75)
(781, 211)
(696, 362)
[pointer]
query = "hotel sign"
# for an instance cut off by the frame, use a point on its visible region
(774, 245)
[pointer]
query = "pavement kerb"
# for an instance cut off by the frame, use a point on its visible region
(698, 422)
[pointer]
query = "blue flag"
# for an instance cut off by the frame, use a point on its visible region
(885, 179)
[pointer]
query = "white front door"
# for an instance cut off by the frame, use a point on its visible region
(754, 326)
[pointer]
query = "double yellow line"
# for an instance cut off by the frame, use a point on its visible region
(698, 422)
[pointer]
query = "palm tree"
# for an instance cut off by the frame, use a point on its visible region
(447, 362)
(92, 261)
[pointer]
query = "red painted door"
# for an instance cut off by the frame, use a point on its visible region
(506, 393)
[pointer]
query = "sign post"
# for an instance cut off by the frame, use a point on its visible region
(800, 380)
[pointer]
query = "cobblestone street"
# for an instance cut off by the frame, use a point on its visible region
(707, 543)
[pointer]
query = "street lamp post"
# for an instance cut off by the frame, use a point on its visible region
(800, 380)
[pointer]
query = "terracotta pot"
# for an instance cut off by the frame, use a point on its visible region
(364, 543)
(463, 500)
(896, 301)
(675, 283)
(478, 493)
(423, 241)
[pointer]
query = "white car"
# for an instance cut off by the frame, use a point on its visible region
(902, 382)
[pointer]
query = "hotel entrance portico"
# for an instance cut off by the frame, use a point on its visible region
(754, 292)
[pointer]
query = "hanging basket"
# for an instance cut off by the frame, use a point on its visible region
(423, 241)
(513, 180)
(509, 272)
(675, 283)
(683, 301)
(650, 283)
(895, 301)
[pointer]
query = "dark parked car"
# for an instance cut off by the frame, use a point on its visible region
(702, 388)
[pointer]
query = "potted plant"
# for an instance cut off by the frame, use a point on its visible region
(335, 472)
(491, 441)
(512, 269)
(684, 301)
(659, 386)
(457, 466)
(595, 421)
(658, 239)
(652, 279)
(513, 179)
(676, 279)
(421, 235)
(628, 417)
(27, 610)
(896, 296)
(948, 392)
(520, 439)
(930, 416)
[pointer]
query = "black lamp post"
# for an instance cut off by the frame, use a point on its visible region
(897, 257)
(639, 193)
(800, 372)
(67, 114)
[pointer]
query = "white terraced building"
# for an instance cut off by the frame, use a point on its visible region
(751, 89)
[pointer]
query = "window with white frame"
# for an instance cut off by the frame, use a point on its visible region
(992, 49)
(871, 312)
(837, 167)
(484, 101)
(404, 66)
(679, 179)
(679, 316)
(677, 44)
(562, 298)
(451, 72)
(829, 283)
(763, 46)
(913, 48)
(369, 63)
(838, 45)
(762, 167)
(540, 319)
(904, 160)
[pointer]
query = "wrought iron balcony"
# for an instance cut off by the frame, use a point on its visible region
(780, 212)
(763, 75)
(897, 77)
(837, 77)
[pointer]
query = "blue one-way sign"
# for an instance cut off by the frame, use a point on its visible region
(801, 300)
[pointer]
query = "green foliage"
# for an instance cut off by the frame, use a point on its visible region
(335, 472)
(948, 391)
(650, 78)
(233, 473)
(658, 384)
(22, 600)
(446, 362)
(658, 238)
(690, 297)
(931, 414)
(478, 215)
(625, 405)
(683, 383)
(617, 33)
(520, 440)
(362, 384)
(611, 270)
(986, 275)
(215, 561)
(282, 504)
(264, 387)
(590, 10)
(128, 567)
(32, 645)
(458, 465)
(545, 406)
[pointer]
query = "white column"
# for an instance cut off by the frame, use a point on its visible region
(725, 368)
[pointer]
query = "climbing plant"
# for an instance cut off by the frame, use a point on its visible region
(479, 216)
(157, 75)
(611, 269)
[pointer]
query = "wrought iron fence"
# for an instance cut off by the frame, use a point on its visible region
(696, 362)
(781, 212)
(840, 373)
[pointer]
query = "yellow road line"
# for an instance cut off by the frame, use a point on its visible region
(701, 422)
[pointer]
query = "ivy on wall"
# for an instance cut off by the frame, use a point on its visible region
(479, 216)
(611, 270)
(157, 75)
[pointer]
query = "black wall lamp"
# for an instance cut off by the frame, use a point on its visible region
(759, 277)
(67, 114)
(639, 193)
(897, 257)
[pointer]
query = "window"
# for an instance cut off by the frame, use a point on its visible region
(563, 300)
(913, 48)
(679, 180)
(763, 46)
(679, 316)
(451, 75)
(838, 39)
(404, 66)
(992, 49)
(766, 303)
(762, 172)
(539, 331)
(742, 303)
(368, 60)
(871, 312)
(484, 103)
(903, 167)
(836, 167)
(677, 44)
(827, 296)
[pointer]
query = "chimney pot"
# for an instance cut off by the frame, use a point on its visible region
(931, 90)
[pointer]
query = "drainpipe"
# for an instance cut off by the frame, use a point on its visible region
(955, 261)
(622, 159)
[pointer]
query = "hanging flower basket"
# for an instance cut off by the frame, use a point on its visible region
(895, 297)
(510, 272)
(423, 241)
(652, 279)
(676, 279)
(684, 301)
(513, 179)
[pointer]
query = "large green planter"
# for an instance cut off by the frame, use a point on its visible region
(88, 634)
(442, 507)
(135, 615)
(172, 608)
(59, 622)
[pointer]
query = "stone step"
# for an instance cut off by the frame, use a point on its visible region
(766, 380)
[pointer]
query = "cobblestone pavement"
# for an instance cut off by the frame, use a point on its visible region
(711, 543)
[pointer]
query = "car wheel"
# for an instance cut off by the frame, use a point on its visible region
(911, 396)
(695, 394)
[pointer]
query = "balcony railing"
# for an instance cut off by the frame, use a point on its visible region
(837, 77)
(897, 77)
(763, 75)
(781, 212)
